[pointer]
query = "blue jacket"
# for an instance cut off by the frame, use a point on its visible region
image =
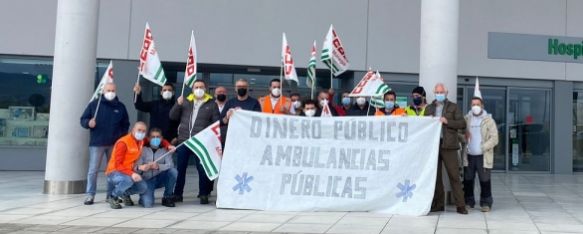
(112, 122)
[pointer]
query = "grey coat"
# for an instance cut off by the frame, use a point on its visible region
(208, 113)
(148, 156)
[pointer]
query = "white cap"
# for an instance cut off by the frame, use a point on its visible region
(477, 92)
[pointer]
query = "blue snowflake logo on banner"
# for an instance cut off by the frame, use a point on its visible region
(406, 190)
(243, 183)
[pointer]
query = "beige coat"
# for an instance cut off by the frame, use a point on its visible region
(489, 132)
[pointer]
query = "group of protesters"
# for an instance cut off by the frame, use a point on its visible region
(139, 162)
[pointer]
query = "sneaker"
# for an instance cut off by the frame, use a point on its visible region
(88, 200)
(127, 200)
(177, 198)
(462, 210)
(168, 202)
(110, 197)
(485, 209)
(204, 199)
(114, 203)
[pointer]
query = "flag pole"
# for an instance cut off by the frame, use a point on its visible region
(137, 82)
(98, 104)
(182, 93)
(368, 109)
(169, 152)
(331, 75)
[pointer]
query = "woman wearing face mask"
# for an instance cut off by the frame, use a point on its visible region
(159, 110)
(310, 107)
(361, 108)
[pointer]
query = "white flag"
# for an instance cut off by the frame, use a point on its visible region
(370, 85)
(326, 111)
(289, 69)
(190, 72)
(477, 92)
(333, 54)
(150, 65)
(206, 145)
(106, 78)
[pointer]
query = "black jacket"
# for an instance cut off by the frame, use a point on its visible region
(207, 115)
(356, 111)
(159, 111)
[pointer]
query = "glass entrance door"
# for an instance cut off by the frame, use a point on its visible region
(529, 119)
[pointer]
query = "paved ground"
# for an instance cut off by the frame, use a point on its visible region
(523, 203)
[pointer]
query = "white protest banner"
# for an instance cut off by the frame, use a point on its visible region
(292, 163)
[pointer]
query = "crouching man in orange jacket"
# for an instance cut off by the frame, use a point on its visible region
(121, 169)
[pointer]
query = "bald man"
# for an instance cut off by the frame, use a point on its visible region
(105, 127)
(221, 97)
(453, 121)
(121, 176)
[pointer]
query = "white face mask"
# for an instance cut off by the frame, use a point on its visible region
(297, 104)
(476, 110)
(139, 135)
(360, 101)
(310, 113)
(167, 95)
(276, 92)
(324, 102)
(199, 93)
(109, 95)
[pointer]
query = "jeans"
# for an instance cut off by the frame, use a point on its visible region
(123, 185)
(166, 179)
(96, 154)
(204, 184)
(476, 164)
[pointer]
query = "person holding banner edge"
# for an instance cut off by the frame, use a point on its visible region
(452, 120)
(241, 101)
(105, 127)
(195, 113)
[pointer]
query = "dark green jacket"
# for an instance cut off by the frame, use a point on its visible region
(455, 123)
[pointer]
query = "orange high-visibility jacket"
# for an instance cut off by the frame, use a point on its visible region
(124, 155)
(266, 105)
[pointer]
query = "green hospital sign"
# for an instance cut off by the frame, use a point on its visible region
(535, 47)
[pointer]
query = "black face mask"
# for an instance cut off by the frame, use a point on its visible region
(241, 92)
(417, 101)
(221, 97)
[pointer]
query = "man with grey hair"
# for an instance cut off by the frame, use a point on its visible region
(453, 121)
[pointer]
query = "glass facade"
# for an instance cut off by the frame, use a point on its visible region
(25, 100)
(578, 130)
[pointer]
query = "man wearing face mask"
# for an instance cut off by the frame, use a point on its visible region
(361, 108)
(159, 110)
(391, 107)
(275, 102)
(109, 124)
(121, 174)
(161, 174)
(221, 97)
(418, 106)
(242, 101)
(325, 109)
(296, 104)
(195, 113)
(452, 121)
(310, 108)
(482, 137)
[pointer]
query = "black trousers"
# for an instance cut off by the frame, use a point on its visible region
(476, 165)
(205, 186)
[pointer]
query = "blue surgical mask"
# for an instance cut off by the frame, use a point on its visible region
(440, 97)
(139, 135)
(345, 101)
(155, 142)
(389, 104)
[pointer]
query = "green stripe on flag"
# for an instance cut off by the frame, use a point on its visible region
(158, 72)
(190, 80)
(208, 156)
(198, 153)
